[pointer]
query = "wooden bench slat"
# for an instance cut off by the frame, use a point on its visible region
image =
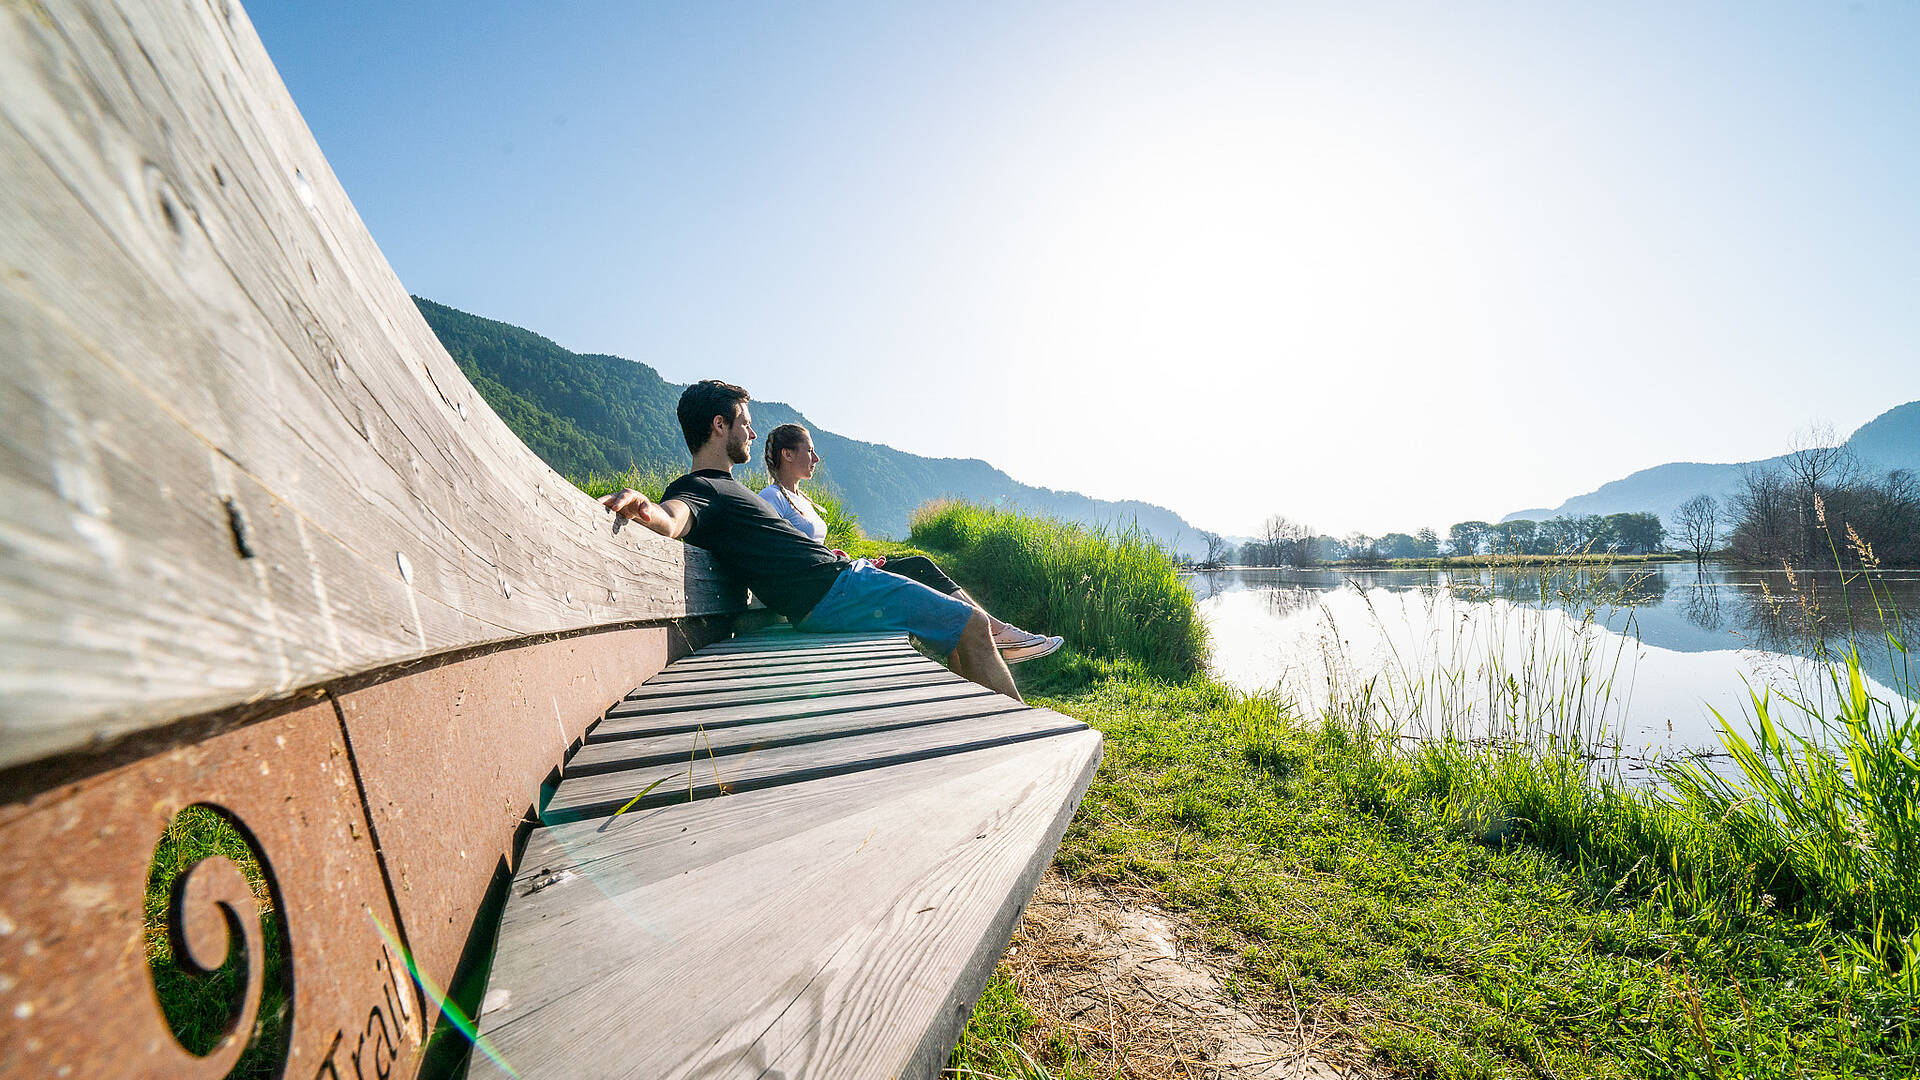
(755, 661)
(696, 746)
(604, 793)
(932, 675)
(797, 655)
(801, 643)
(840, 927)
(662, 689)
(626, 727)
(755, 668)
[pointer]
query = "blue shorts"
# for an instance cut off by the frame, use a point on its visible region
(865, 597)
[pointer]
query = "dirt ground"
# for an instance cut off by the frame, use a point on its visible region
(1145, 996)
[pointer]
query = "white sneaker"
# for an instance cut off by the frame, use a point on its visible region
(1030, 650)
(1010, 635)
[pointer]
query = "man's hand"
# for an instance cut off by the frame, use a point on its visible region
(670, 519)
(631, 505)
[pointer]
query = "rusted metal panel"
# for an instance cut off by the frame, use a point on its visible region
(77, 994)
(453, 759)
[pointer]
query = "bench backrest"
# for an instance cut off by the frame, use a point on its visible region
(269, 568)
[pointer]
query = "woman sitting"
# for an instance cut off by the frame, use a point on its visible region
(791, 459)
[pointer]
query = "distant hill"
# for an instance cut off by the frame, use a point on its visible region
(590, 412)
(1888, 441)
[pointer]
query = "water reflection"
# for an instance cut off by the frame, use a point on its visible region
(1672, 642)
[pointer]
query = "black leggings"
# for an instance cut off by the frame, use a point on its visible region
(923, 570)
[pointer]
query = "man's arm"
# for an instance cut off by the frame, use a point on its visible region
(670, 518)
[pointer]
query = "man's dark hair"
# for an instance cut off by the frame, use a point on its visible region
(703, 401)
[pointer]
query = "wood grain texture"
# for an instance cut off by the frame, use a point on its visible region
(697, 746)
(236, 461)
(717, 718)
(672, 680)
(791, 652)
(835, 928)
(852, 683)
(700, 666)
(671, 687)
(784, 634)
(700, 776)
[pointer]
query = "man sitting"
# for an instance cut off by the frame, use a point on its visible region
(816, 590)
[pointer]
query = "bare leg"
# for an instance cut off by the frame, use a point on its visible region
(994, 625)
(975, 658)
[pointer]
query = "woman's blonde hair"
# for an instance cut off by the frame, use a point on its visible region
(784, 437)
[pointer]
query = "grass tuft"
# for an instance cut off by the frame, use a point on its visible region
(1114, 594)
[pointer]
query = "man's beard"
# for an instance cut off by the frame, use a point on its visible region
(738, 453)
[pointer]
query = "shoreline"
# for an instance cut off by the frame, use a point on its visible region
(1449, 909)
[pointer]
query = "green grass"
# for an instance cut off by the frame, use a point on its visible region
(995, 1044)
(1477, 917)
(1503, 907)
(1113, 594)
(199, 1006)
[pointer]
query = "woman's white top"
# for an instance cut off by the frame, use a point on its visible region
(797, 509)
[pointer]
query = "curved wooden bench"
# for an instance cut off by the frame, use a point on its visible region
(837, 914)
(262, 549)
(268, 561)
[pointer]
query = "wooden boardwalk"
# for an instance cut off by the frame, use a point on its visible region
(837, 913)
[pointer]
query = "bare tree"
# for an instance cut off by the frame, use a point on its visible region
(1762, 517)
(1817, 462)
(1285, 539)
(1698, 522)
(1216, 545)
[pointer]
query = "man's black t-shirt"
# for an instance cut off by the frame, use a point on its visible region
(785, 568)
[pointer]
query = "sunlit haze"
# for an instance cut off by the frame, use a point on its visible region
(1371, 266)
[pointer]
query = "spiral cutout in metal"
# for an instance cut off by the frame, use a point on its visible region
(217, 946)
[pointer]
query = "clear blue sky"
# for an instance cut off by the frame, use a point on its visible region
(1376, 266)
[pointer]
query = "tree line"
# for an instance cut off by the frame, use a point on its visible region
(1285, 542)
(1818, 506)
(1813, 507)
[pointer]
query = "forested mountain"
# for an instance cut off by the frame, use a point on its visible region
(1889, 441)
(586, 413)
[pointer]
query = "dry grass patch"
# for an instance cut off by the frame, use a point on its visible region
(1113, 985)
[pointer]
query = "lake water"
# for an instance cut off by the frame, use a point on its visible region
(1642, 655)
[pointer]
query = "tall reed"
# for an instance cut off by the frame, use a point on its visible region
(1503, 729)
(1111, 592)
(1824, 796)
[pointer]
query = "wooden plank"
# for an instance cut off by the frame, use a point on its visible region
(783, 631)
(699, 745)
(669, 686)
(836, 928)
(601, 794)
(236, 461)
(729, 697)
(697, 666)
(627, 727)
(747, 647)
(757, 667)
